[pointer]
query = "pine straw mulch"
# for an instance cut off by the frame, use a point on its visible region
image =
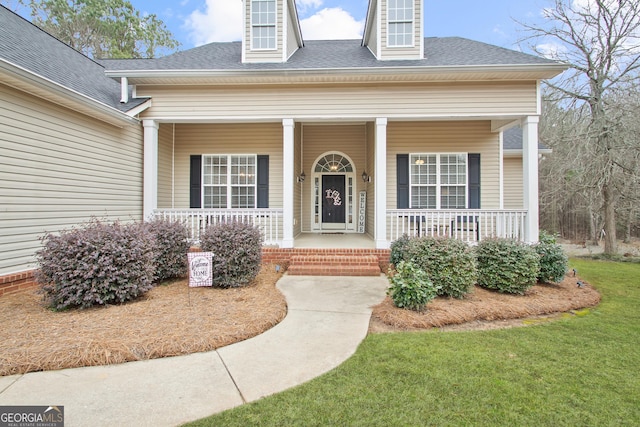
(484, 309)
(174, 319)
(169, 320)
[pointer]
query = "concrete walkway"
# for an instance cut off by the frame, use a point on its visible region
(327, 318)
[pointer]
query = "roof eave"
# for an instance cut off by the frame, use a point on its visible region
(541, 71)
(105, 112)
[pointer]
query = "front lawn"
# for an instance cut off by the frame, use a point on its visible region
(580, 370)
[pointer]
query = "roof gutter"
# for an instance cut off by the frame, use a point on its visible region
(72, 95)
(404, 70)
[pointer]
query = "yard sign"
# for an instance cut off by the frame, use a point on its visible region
(200, 269)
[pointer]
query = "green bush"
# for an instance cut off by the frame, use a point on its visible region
(237, 253)
(171, 249)
(507, 265)
(449, 263)
(99, 263)
(399, 249)
(553, 260)
(410, 287)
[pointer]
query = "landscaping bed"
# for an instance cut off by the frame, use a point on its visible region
(484, 309)
(173, 319)
(169, 320)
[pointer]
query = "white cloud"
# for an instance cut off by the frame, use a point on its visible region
(331, 24)
(552, 50)
(221, 21)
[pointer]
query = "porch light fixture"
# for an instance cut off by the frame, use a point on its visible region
(301, 177)
(366, 177)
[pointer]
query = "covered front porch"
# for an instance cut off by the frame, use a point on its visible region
(295, 164)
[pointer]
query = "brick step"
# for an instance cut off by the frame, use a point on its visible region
(334, 265)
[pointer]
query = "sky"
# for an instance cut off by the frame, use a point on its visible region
(196, 22)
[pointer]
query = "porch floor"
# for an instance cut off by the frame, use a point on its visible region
(334, 241)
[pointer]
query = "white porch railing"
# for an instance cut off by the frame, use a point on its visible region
(268, 220)
(470, 225)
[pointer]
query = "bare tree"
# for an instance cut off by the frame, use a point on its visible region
(599, 39)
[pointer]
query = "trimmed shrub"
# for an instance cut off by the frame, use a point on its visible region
(553, 260)
(237, 253)
(449, 263)
(100, 263)
(410, 287)
(171, 249)
(507, 265)
(399, 249)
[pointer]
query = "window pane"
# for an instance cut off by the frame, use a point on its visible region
(242, 197)
(215, 197)
(452, 197)
(423, 197)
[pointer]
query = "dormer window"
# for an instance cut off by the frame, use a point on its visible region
(400, 17)
(263, 24)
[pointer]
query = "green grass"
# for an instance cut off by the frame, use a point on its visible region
(576, 371)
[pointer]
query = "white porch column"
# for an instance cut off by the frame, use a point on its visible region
(150, 195)
(287, 181)
(380, 189)
(530, 176)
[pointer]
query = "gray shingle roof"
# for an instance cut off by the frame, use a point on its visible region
(512, 140)
(330, 54)
(27, 46)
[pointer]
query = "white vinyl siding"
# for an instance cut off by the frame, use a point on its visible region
(513, 185)
(291, 41)
(165, 165)
(392, 25)
(222, 139)
(446, 138)
(255, 53)
(342, 102)
(59, 168)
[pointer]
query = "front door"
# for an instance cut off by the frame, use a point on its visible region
(333, 201)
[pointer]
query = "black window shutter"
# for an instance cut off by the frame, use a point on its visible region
(474, 180)
(263, 182)
(402, 168)
(195, 181)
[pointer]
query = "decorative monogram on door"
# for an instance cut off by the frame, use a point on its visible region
(335, 195)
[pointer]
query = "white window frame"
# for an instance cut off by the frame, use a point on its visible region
(229, 178)
(254, 26)
(438, 185)
(401, 21)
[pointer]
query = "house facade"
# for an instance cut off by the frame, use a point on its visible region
(389, 135)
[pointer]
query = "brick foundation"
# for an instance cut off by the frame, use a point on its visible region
(17, 282)
(329, 262)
